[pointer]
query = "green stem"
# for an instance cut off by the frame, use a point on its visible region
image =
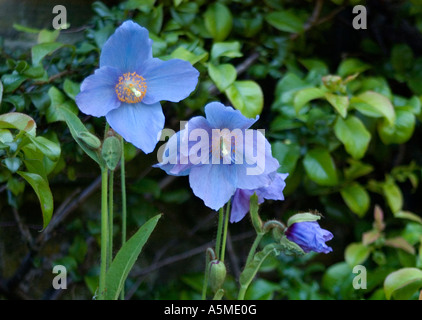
(110, 218)
(254, 247)
(124, 210)
(219, 231)
(242, 291)
(206, 276)
(104, 232)
(226, 223)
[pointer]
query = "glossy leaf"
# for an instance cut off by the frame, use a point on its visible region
(223, 75)
(126, 258)
(303, 96)
(246, 96)
(43, 193)
(373, 104)
(40, 51)
(285, 21)
(393, 194)
(354, 136)
(356, 253)
(403, 283)
(339, 103)
(356, 198)
(401, 131)
(218, 21)
(320, 167)
(20, 121)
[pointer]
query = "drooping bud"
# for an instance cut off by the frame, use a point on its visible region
(217, 274)
(111, 152)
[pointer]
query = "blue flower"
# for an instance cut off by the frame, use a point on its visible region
(220, 155)
(309, 236)
(241, 199)
(130, 83)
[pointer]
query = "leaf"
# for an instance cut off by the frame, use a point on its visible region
(57, 99)
(20, 121)
(218, 21)
(12, 81)
(320, 167)
(226, 49)
(71, 88)
(356, 253)
(373, 104)
(356, 198)
(351, 66)
(357, 169)
(408, 215)
(340, 103)
(400, 243)
(184, 54)
(285, 21)
(246, 96)
(393, 194)
(354, 136)
(49, 148)
(287, 155)
(303, 96)
(81, 134)
(403, 283)
(43, 192)
(126, 258)
(223, 75)
(401, 131)
(40, 51)
(302, 217)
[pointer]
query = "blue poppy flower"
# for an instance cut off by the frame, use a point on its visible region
(309, 236)
(220, 154)
(241, 198)
(130, 83)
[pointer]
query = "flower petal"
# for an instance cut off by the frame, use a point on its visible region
(240, 204)
(127, 48)
(309, 236)
(214, 184)
(171, 80)
(98, 95)
(138, 124)
(220, 116)
(274, 191)
(259, 166)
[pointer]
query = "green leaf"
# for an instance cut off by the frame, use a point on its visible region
(49, 148)
(373, 104)
(218, 21)
(12, 81)
(43, 192)
(40, 51)
(20, 121)
(71, 88)
(285, 21)
(351, 66)
(80, 133)
(356, 253)
(13, 164)
(408, 215)
(58, 99)
(302, 97)
(126, 258)
(184, 54)
(356, 198)
(357, 169)
(46, 36)
(226, 49)
(246, 96)
(354, 136)
(320, 167)
(403, 283)
(287, 155)
(223, 75)
(402, 129)
(340, 103)
(393, 194)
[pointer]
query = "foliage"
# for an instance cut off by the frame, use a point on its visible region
(341, 108)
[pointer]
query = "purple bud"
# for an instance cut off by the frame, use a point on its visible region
(309, 236)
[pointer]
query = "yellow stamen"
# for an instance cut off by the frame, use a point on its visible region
(131, 88)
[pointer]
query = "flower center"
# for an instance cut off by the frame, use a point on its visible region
(131, 88)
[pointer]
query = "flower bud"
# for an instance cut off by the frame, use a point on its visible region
(111, 152)
(217, 274)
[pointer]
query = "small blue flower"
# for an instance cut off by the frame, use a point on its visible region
(130, 83)
(220, 155)
(309, 236)
(241, 199)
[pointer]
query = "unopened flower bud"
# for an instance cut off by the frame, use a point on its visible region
(217, 274)
(111, 151)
